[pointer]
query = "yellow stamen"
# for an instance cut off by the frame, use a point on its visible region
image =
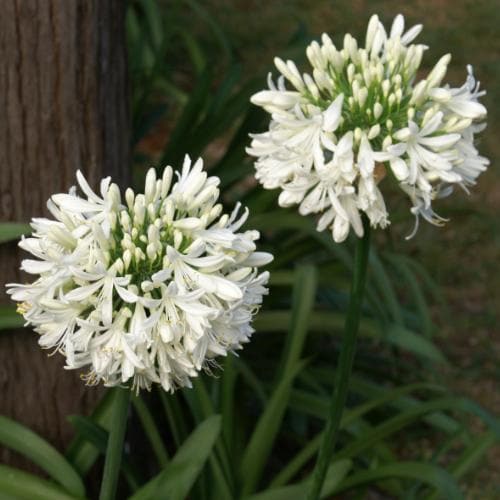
(23, 308)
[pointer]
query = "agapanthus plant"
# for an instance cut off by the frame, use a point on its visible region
(149, 289)
(336, 136)
(361, 118)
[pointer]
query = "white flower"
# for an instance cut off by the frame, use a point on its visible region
(360, 114)
(146, 291)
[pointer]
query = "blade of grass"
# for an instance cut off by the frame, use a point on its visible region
(438, 420)
(154, 22)
(404, 338)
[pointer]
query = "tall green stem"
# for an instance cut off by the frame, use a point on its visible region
(344, 365)
(114, 450)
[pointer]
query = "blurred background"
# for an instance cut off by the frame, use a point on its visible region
(192, 67)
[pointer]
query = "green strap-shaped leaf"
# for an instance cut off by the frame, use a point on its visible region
(384, 284)
(116, 440)
(252, 380)
(81, 453)
(217, 31)
(196, 55)
(427, 473)
(227, 398)
(264, 435)
(24, 441)
(151, 430)
(232, 167)
(98, 436)
(190, 115)
(154, 19)
(335, 474)
(438, 420)
(293, 221)
(175, 417)
(470, 457)
(9, 318)
(405, 418)
(400, 336)
(176, 480)
(19, 485)
(396, 334)
(473, 454)
(403, 270)
(13, 230)
(319, 409)
(202, 407)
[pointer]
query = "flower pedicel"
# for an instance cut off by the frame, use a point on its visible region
(149, 290)
(361, 115)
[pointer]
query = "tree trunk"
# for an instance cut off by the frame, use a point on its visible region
(63, 95)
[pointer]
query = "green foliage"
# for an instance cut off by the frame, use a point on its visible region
(114, 447)
(21, 439)
(267, 427)
(95, 435)
(82, 452)
(9, 318)
(177, 478)
(18, 485)
(13, 230)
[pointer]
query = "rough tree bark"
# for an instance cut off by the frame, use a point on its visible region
(63, 95)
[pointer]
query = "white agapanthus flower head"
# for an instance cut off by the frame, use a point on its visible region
(144, 290)
(362, 116)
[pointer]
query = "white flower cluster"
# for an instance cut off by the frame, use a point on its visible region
(361, 116)
(148, 290)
